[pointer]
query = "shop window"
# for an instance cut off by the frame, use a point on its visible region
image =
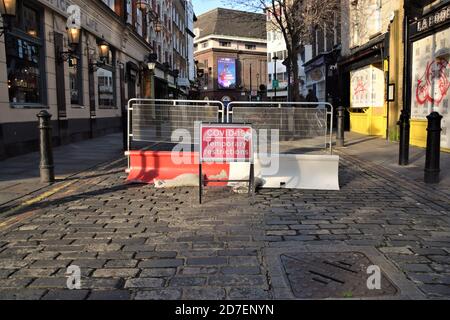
(129, 12)
(376, 16)
(25, 58)
(106, 83)
(139, 21)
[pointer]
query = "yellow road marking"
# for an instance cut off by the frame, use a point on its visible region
(45, 195)
(34, 200)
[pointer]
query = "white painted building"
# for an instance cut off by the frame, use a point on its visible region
(276, 47)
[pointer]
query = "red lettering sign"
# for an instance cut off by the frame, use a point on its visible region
(226, 143)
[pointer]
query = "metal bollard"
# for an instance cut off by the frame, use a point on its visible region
(340, 127)
(403, 158)
(46, 167)
(433, 153)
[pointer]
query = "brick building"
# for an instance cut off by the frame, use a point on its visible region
(231, 49)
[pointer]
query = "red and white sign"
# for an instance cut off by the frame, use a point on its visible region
(226, 143)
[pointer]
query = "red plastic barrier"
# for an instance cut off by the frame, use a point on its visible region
(145, 166)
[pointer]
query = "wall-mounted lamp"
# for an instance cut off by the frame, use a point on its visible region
(103, 50)
(151, 61)
(73, 35)
(145, 6)
(103, 53)
(158, 26)
(8, 9)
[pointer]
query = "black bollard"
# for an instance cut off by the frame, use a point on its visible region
(46, 167)
(340, 127)
(432, 160)
(403, 158)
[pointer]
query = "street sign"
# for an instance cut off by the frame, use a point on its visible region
(221, 142)
(275, 84)
(226, 143)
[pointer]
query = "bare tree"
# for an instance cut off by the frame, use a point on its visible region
(296, 20)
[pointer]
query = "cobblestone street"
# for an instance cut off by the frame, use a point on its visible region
(136, 242)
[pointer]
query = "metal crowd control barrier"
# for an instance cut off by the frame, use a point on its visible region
(309, 124)
(154, 121)
(299, 124)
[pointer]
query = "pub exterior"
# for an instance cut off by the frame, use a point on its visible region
(84, 86)
(428, 70)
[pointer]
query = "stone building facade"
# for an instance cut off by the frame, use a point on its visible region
(87, 96)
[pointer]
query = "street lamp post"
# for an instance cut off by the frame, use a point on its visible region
(275, 58)
(287, 63)
(251, 87)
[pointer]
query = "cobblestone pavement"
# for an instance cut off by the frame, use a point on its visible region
(137, 242)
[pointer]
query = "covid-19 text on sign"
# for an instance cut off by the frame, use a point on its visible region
(226, 143)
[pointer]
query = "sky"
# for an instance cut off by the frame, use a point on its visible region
(201, 6)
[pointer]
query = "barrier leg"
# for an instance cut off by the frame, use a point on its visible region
(200, 182)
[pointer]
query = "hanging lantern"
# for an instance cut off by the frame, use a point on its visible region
(74, 36)
(103, 49)
(158, 26)
(8, 7)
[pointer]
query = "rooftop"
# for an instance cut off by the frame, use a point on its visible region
(228, 22)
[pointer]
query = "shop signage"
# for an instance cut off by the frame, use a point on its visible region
(275, 84)
(316, 75)
(226, 143)
(432, 20)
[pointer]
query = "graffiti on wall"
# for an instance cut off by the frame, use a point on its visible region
(434, 84)
(431, 80)
(367, 87)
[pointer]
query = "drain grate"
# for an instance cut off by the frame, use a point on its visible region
(318, 275)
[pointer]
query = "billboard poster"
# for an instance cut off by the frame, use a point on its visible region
(367, 87)
(226, 75)
(431, 80)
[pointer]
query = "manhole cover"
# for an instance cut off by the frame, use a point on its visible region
(316, 275)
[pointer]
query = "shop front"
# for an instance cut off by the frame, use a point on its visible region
(321, 77)
(363, 87)
(429, 74)
(367, 88)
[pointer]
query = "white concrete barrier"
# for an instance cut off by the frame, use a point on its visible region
(314, 172)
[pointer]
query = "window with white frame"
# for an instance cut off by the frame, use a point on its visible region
(129, 11)
(376, 17)
(139, 21)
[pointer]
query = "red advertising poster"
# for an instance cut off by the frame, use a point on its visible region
(226, 143)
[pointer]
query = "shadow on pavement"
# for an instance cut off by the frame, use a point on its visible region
(64, 200)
